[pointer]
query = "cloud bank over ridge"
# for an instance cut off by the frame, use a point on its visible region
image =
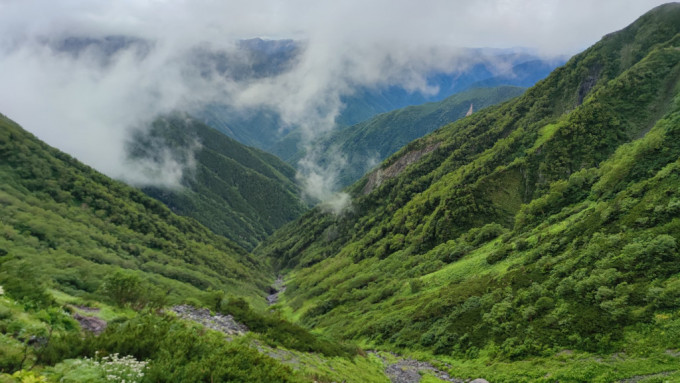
(86, 98)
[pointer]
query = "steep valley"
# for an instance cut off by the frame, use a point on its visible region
(534, 240)
(541, 225)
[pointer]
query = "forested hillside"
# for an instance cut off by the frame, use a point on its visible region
(263, 127)
(370, 142)
(92, 272)
(67, 225)
(545, 224)
(239, 192)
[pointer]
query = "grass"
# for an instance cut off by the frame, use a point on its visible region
(472, 264)
(565, 366)
(104, 311)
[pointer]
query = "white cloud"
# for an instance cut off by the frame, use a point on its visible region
(88, 109)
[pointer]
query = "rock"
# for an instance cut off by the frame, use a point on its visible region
(397, 374)
(409, 371)
(376, 177)
(223, 323)
(277, 288)
(91, 324)
(480, 380)
(37, 341)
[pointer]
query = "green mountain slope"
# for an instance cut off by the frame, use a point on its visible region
(543, 224)
(239, 192)
(74, 226)
(80, 252)
(370, 142)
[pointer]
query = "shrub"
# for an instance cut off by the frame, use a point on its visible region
(20, 281)
(486, 233)
(122, 287)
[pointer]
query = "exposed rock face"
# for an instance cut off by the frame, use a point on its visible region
(376, 178)
(277, 288)
(470, 111)
(219, 322)
(588, 83)
(91, 324)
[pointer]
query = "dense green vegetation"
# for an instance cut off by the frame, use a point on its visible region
(238, 192)
(545, 224)
(76, 243)
(148, 346)
(263, 127)
(369, 142)
(535, 240)
(70, 226)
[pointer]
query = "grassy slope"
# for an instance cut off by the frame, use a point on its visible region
(73, 226)
(239, 192)
(66, 230)
(542, 224)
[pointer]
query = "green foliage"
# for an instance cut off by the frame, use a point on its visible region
(20, 281)
(239, 192)
(74, 227)
(546, 223)
(279, 332)
(129, 289)
(182, 353)
(371, 141)
(110, 368)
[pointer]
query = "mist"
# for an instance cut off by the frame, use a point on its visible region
(87, 99)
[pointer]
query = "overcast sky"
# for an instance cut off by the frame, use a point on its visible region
(88, 110)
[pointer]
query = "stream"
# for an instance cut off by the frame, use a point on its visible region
(276, 288)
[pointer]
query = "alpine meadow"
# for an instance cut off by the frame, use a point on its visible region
(439, 214)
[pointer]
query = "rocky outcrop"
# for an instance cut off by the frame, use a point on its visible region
(409, 371)
(277, 288)
(219, 322)
(376, 178)
(92, 324)
(588, 83)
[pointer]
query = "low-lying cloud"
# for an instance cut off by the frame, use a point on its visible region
(87, 98)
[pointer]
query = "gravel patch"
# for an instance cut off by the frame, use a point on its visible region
(219, 322)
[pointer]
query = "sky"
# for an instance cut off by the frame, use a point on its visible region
(88, 107)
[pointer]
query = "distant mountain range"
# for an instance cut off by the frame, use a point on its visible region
(536, 240)
(366, 144)
(263, 128)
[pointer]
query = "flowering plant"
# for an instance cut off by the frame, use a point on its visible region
(111, 368)
(125, 369)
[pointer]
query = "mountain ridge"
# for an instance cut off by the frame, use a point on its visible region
(515, 221)
(371, 141)
(225, 189)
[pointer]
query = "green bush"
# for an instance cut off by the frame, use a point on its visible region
(183, 353)
(20, 281)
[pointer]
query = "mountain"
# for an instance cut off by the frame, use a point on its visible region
(524, 74)
(370, 142)
(238, 192)
(524, 240)
(263, 128)
(525, 70)
(74, 226)
(98, 280)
